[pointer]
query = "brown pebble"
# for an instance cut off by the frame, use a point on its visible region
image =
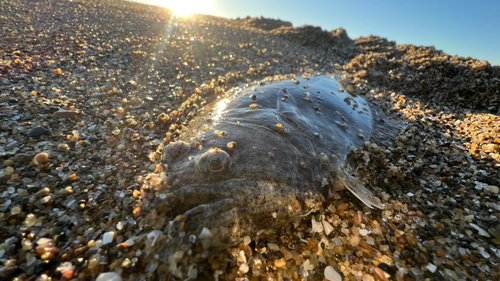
(280, 262)
(342, 207)
(440, 254)
(339, 250)
(411, 240)
(41, 158)
(473, 259)
(312, 244)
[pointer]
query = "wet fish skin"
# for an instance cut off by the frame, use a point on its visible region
(290, 142)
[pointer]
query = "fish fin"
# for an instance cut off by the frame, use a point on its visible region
(385, 131)
(363, 194)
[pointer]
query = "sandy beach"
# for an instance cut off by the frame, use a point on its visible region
(91, 92)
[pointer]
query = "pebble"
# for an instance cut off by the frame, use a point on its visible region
(38, 131)
(273, 247)
(205, 233)
(355, 241)
(481, 231)
(280, 262)
(247, 240)
(243, 268)
(30, 220)
(41, 158)
(108, 237)
(65, 114)
(331, 274)
(431, 267)
(363, 232)
(109, 276)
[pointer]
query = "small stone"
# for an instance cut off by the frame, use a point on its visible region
(287, 254)
(205, 233)
(65, 114)
(355, 241)
(337, 241)
(30, 220)
(247, 240)
(411, 240)
(363, 232)
(327, 226)
(8, 162)
(342, 207)
(243, 268)
(38, 131)
(312, 244)
(93, 261)
(316, 225)
(16, 210)
(273, 247)
(41, 158)
(431, 267)
(192, 272)
(368, 277)
(331, 274)
(109, 276)
(339, 250)
(22, 157)
(481, 231)
(108, 237)
(63, 147)
(280, 262)
(493, 189)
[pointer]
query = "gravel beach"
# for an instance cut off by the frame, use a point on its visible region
(91, 92)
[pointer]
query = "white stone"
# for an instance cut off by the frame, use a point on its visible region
(331, 274)
(108, 237)
(247, 240)
(243, 257)
(109, 276)
(337, 241)
(129, 242)
(205, 233)
(243, 268)
(482, 232)
(493, 189)
(316, 226)
(273, 247)
(363, 232)
(327, 226)
(192, 272)
(431, 267)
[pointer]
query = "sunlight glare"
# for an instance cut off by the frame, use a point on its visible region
(187, 7)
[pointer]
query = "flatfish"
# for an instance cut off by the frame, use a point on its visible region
(259, 158)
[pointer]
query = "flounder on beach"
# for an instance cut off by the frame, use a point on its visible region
(261, 157)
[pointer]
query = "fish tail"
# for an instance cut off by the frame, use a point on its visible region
(385, 131)
(362, 193)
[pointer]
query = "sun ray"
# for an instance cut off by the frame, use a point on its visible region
(186, 7)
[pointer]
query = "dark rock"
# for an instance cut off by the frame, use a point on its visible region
(38, 131)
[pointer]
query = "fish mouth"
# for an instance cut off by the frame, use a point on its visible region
(190, 196)
(213, 216)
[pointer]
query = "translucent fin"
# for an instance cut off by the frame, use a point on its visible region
(363, 194)
(385, 131)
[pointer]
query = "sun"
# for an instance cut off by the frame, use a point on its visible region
(187, 7)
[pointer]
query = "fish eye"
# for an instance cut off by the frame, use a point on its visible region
(212, 162)
(216, 164)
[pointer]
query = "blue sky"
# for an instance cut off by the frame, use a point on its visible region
(464, 28)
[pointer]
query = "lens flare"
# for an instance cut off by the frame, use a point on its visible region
(186, 7)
